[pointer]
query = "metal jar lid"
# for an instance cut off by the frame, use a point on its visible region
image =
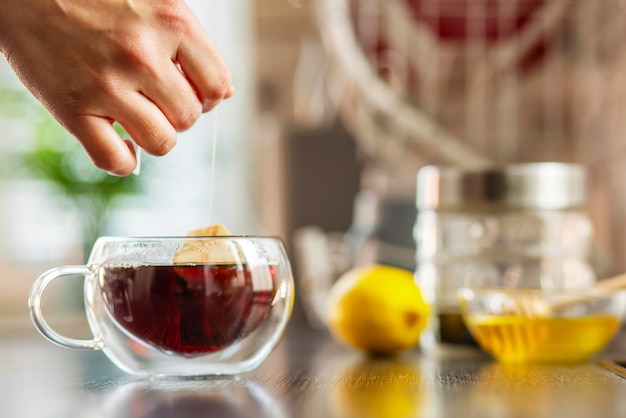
(556, 186)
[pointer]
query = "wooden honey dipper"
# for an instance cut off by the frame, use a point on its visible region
(531, 306)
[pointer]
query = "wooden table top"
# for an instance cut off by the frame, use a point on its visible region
(308, 375)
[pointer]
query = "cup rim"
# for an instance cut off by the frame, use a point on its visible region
(186, 237)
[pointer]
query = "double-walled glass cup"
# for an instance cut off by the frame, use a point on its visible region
(180, 306)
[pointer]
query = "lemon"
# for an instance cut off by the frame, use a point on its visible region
(377, 309)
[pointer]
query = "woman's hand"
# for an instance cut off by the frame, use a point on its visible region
(148, 65)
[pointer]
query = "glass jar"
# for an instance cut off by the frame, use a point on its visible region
(520, 225)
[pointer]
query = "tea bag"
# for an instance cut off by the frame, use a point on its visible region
(210, 231)
(208, 251)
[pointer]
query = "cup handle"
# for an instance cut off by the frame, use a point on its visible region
(34, 303)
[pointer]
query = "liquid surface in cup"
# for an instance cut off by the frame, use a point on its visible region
(188, 310)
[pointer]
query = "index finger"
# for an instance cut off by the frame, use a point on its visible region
(108, 151)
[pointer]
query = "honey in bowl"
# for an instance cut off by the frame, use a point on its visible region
(543, 339)
(526, 325)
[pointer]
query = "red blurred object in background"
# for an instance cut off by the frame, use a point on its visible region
(456, 23)
(462, 20)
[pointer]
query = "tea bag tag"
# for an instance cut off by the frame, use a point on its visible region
(137, 149)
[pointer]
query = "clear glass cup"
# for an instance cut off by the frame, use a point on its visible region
(180, 306)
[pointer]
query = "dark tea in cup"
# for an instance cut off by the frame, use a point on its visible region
(190, 309)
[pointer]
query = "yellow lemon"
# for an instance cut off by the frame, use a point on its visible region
(378, 309)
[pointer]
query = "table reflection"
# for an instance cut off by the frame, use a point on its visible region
(503, 390)
(189, 399)
(532, 390)
(365, 387)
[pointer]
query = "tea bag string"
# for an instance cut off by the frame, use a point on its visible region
(212, 174)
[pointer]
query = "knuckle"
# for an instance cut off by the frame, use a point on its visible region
(185, 120)
(135, 52)
(106, 86)
(219, 88)
(225, 85)
(138, 61)
(161, 145)
(171, 12)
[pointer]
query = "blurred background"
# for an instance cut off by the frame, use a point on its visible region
(338, 105)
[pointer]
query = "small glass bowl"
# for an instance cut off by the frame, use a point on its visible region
(533, 325)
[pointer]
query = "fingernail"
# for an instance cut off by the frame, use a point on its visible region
(136, 151)
(230, 92)
(137, 169)
(208, 105)
(113, 174)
